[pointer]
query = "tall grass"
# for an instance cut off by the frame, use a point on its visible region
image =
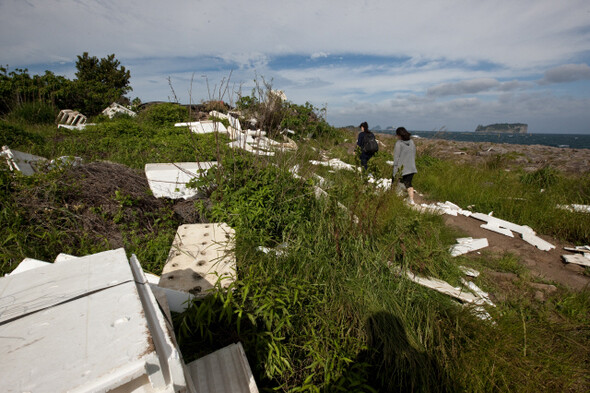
(525, 198)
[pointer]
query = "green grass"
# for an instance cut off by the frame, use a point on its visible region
(331, 314)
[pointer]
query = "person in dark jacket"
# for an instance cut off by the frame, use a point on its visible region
(404, 160)
(365, 157)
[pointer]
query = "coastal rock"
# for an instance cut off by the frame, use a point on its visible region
(528, 158)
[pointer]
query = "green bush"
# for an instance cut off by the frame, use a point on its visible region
(16, 136)
(34, 113)
(163, 114)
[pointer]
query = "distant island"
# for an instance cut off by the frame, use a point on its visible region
(514, 128)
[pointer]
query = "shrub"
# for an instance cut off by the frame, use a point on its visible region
(34, 112)
(542, 178)
(14, 136)
(163, 114)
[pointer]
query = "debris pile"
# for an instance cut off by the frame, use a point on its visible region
(99, 323)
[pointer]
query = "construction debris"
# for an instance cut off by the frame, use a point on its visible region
(479, 299)
(70, 119)
(95, 324)
(169, 180)
(335, 163)
(507, 227)
(27, 164)
(225, 370)
(577, 259)
(469, 271)
(115, 108)
(467, 244)
(200, 256)
(575, 208)
(204, 127)
(442, 208)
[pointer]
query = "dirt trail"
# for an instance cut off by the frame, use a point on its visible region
(546, 265)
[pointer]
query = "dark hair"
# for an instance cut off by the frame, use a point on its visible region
(403, 133)
(365, 125)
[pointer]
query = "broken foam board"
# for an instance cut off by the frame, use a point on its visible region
(526, 232)
(445, 288)
(168, 180)
(27, 164)
(467, 244)
(577, 208)
(235, 376)
(81, 325)
(201, 254)
(577, 259)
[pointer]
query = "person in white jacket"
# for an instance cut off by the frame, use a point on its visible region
(404, 160)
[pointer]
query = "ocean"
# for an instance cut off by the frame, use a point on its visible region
(573, 141)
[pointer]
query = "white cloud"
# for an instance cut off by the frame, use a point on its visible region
(450, 49)
(566, 73)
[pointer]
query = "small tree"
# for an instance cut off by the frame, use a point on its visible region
(99, 83)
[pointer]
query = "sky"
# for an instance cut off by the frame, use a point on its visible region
(423, 64)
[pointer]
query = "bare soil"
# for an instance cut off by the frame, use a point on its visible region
(544, 265)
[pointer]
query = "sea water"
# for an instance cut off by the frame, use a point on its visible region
(573, 141)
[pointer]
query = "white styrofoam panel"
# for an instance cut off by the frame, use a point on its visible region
(28, 264)
(95, 342)
(577, 259)
(465, 245)
(496, 222)
(168, 180)
(49, 285)
(495, 228)
(200, 255)
(469, 271)
(536, 241)
(170, 359)
(225, 370)
(444, 287)
(24, 162)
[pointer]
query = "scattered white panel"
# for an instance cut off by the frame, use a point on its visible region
(28, 264)
(76, 127)
(384, 184)
(47, 286)
(444, 287)
(577, 259)
(27, 164)
(582, 249)
(78, 325)
(218, 114)
(468, 244)
(115, 108)
(335, 163)
(170, 359)
(522, 229)
(94, 343)
(201, 254)
(168, 180)
(61, 257)
(497, 229)
(576, 208)
(536, 241)
(477, 290)
(235, 123)
(469, 271)
(255, 133)
(250, 149)
(225, 370)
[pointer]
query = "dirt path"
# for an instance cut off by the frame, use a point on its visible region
(547, 265)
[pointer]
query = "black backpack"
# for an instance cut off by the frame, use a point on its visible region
(370, 144)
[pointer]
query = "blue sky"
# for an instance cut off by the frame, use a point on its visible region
(423, 64)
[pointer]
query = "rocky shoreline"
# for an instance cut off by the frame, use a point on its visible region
(527, 157)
